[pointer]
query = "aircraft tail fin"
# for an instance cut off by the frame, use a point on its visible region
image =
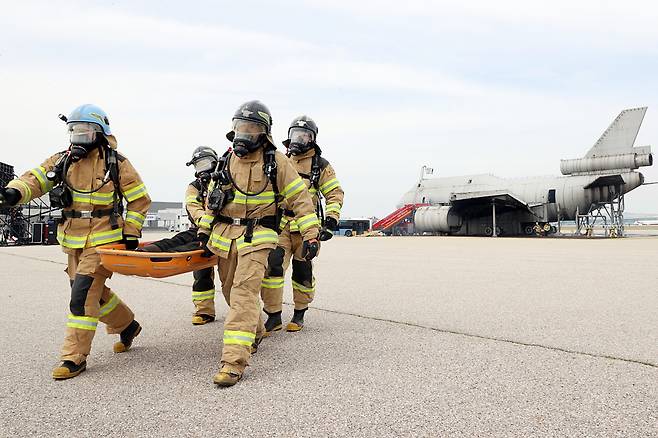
(620, 135)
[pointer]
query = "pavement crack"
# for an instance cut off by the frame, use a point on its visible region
(411, 324)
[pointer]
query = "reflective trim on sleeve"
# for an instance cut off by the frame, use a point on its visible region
(305, 222)
(329, 186)
(284, 222)
(135, 218)
(272, 282)
(206, 221)
(203, 295)
(82, 322)
(109, 306)
(40, 174)
(220, 242)
(296, 186)
(334, 207)
(259, 238)
(104, 237)
(236, 337)
(300, 287)
(135, 193)
(192, 200)
(28, 191)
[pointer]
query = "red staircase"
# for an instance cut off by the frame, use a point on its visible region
(396, 217)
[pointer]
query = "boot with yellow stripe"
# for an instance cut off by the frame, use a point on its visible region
(127, 336)
(202, 319)
(68, 369)
(297, 321)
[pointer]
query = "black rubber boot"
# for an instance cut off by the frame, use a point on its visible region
(68, 369)
(297, 321)
(273, 323)
(127, 337)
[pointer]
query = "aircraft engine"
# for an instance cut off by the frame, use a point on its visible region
(436, 219)
(609, 162)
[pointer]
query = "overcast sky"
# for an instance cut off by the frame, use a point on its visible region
(505, 87)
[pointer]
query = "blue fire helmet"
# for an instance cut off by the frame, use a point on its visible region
(91, 114)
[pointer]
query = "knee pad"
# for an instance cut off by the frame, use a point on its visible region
(302, 272)
(275, 262)
(79, 291)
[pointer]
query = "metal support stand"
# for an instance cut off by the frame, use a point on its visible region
(608, 215)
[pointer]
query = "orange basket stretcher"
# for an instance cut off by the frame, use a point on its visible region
(116, 258)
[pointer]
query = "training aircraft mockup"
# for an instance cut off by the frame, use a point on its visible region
(591, 187)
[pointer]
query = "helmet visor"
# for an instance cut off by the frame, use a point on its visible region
(246, 130)
(83, 133)
(301, 136)
(205, 164)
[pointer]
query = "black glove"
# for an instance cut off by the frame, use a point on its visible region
(131, 242)
(9, 197)
(203, 243)
(330, 223)
(310, 249)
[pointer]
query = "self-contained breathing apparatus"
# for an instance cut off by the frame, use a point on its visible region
(222, 192)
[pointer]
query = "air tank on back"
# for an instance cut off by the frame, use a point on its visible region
(438, 218)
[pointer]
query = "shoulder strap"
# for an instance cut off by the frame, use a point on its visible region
(270, 169)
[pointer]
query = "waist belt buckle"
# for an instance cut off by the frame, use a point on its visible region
(237, 221)
(85, 214)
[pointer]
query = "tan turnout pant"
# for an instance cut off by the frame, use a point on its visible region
(241, 276)
(91, 301)
(303, 283)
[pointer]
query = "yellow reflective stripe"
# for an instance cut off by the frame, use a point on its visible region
(109, 306)
(284, 222)
(135, 193)
(82, 322)
(296, 186)
(28, 191)
(206, 221)
(93, 198)
(239, 338)
(135, 218)
(103, 237)
(192, 200)
(305, 222)
(334, 207)
(69, 241)
(329, 186)
(261, 198)
(300, 287)
(293, 226)
(203, 295)
(272, 282)
(259, 238)
(44, 182)
(313, 191)
(220, 242)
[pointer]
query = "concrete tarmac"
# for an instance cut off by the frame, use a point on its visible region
(416, 336)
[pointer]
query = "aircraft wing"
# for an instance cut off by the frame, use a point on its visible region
(473, 202)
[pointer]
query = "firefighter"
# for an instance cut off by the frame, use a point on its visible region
(241, 223)
(89, 181)
(204, 160)
(320, 179)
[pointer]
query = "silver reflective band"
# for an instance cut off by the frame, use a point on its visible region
(85, 214)
(236, 221)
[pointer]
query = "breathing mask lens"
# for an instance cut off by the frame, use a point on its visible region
(205, 164)
(247, 136)
(83, 133)
(301, 140)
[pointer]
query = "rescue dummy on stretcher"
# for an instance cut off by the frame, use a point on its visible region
(176, 255)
